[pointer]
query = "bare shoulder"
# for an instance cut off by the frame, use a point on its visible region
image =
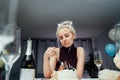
(57, 52)
(80, 51)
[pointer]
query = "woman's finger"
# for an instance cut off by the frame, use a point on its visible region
(51, 51)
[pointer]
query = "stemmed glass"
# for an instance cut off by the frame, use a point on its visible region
(9, 34)
(98, 59)
(12, 50)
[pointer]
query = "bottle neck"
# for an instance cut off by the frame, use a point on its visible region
(29, 47)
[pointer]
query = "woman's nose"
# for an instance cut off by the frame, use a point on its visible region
(64, 39)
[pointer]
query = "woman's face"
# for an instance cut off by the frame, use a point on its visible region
(66, 37)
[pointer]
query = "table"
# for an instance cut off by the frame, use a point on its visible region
(81, 79)
(89, 79)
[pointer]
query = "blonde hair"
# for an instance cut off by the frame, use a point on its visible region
(68, 25)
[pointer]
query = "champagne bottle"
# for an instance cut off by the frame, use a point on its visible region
(27, 71)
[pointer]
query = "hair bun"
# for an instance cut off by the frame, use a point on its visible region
(66, 23)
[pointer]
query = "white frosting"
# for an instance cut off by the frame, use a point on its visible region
(65, 75)
(107, 74)
(117, 60)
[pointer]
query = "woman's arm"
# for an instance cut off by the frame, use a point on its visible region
(48, 66)
(49, 62)
(80, 62)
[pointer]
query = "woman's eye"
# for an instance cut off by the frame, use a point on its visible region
(60, 38)
(66, 35)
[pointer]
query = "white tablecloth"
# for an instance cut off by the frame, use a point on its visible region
(81, 79)
(90, 79)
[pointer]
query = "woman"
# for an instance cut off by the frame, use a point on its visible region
(67, 53)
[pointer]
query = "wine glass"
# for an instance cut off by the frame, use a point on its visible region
(8, 9)
(98, 59)
(12, 50)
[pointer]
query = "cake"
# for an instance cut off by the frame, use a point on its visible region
(108, 74)
(64, 75)
(116, 60)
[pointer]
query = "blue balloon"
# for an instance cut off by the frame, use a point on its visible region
(110, 49)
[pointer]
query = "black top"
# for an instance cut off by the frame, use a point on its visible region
(69, 55)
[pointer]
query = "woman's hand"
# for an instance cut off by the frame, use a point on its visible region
(50, 52)
(49, 61)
